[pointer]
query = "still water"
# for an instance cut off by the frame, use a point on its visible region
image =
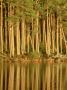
(33, 76)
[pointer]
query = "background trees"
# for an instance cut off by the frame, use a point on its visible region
(33, 26)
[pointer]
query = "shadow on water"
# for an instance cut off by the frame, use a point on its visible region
(33, 76)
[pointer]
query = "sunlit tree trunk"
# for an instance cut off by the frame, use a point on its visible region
(66, 48)
(61, 38)
(61, 35)
(11, 40)
(53, 33)
(64, 40)
(43, 39)
(1, 28)
(28, 39)
(11, 32)
(1, 44)
(18, 38)
(53, 41)
(23, 42)
(33, 35)
(6, 33)
(48, 33)
(44, 35)
(57, 36)
(37, 32)
(37, 29)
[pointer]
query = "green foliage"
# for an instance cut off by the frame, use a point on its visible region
(28, 8)
(42, 49)
(34, 55)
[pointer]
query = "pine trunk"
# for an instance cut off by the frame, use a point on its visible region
(44, 35)
(37, 37)
(33, 35)
(53, 33)
(11, 33)
(18, 38)
(61, 38)
(48, 34)
(23, 36)
(1, 29)
(57, 36)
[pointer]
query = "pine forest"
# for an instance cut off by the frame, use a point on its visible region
(33, 44)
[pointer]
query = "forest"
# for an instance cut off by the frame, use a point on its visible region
(33, 44)
(36, 27)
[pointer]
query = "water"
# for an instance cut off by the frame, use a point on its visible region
(32, 76)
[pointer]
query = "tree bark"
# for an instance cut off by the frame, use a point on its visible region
(11, 33)
(37, 36)
(57, 36)
(1, 30)
(23, 42)
(18, 38)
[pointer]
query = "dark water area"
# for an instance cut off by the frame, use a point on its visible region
(33, 76)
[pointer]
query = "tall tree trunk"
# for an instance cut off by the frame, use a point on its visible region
(1, 28)
(6, 33)
(48, 33)
(18, 38)
(37, 37)
(44, 34)
(1, 46)
(11, 32)
(23, 42)
(66, 48)
(64, 40)
(53, 41)
(53, 33)
(28, 39)
(61, 38)
(57, 36)
(32, 35)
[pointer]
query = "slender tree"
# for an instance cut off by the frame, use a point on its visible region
(1, 28)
